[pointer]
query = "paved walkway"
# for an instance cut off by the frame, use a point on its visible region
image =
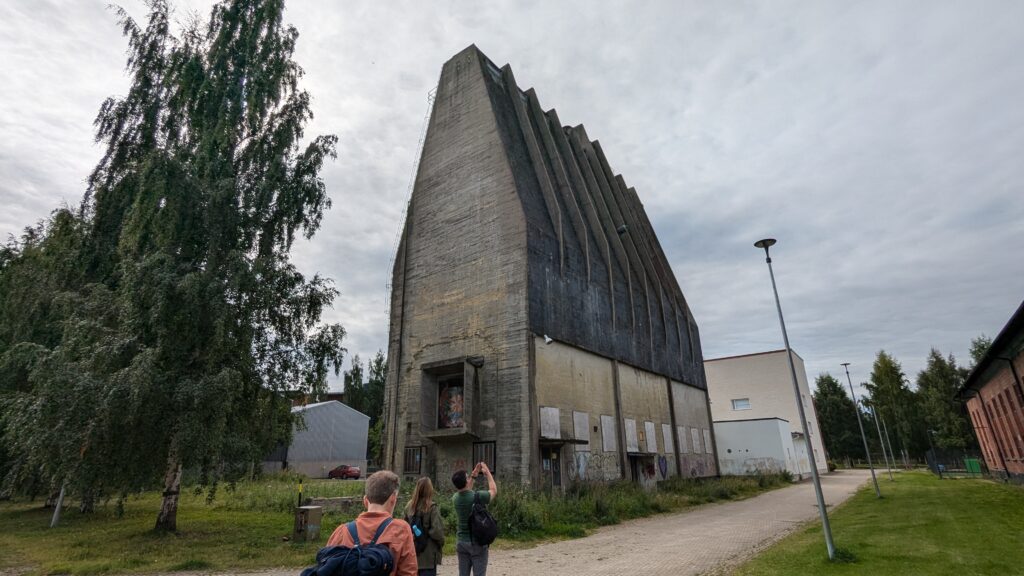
(686, 543)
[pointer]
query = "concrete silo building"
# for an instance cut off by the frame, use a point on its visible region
(535, 321)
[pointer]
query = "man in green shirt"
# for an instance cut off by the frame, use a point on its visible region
(472, 556)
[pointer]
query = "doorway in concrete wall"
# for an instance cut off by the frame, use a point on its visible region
(551, 465)
(635, 467)
(643, 469)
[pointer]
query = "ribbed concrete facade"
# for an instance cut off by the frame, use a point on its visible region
(520, 237)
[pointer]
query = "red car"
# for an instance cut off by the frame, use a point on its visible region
(345, 471)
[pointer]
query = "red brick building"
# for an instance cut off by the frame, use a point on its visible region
(994, 393)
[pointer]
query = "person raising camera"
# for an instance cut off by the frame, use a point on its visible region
(472, 555)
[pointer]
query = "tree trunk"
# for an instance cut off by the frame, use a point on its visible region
(51, 500)
(168, 518)
(88, 504)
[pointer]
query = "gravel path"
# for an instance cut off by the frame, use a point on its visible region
(708, 538)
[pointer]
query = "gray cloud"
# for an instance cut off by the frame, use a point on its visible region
(879, 142)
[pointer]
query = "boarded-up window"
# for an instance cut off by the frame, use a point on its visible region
(684, 443)
(695, 436)
(666, 435)
(707, 441)
(581, 429)
(549, 424)
(631, 443)
(609, 433)
(652, 437)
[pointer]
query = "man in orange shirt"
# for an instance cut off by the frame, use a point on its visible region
(380, 498)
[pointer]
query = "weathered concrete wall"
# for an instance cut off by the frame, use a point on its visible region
(579, 383)
(694, 429)
(645, 401)
(459, 284)
(599, 279)
(518, 228)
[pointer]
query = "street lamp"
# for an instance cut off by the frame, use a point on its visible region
(892, 454)
(881, 441)
(935, 457)
(856, 407)
(766, 244)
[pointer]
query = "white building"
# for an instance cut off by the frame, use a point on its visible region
(328, 435)
(758, 387)
(753, 446)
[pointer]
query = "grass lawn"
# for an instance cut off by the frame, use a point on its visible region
(244, 529)
(924, 526)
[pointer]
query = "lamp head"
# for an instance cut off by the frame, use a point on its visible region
(845, 364)
(765, 243)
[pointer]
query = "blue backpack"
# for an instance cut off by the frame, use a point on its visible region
(370, 560)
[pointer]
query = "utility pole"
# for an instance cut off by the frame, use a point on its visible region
(881, 441)
(826, 528)
(889, 442)
(860, 423)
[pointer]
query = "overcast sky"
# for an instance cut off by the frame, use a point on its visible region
(880, 142)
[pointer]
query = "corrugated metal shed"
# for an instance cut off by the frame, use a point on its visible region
(329, 433)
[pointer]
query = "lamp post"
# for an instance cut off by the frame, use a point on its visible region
(860, 423)
(881, 441)
(889, 442)
(826, 528)
(935, 456)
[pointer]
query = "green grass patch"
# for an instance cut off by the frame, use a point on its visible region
(923, 526)
(244, 527)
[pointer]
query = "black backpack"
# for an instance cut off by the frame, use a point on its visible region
(416, 521)
(370, 560)
(482, 526)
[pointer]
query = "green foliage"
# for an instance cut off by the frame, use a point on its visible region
(375, 442)
(897, 405)
(525, 514)
(378, 375)
(279, 493)
(837, 418)
(924, 526)
(158, 327)
(354, 388)
(367, 394)
(937, 386)
(979, 347)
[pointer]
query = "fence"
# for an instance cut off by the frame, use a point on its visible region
(957, 463)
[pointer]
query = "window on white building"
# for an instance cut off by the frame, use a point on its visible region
(741, 404)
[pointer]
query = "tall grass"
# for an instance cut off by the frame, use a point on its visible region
(526, 514)
(276, 493)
